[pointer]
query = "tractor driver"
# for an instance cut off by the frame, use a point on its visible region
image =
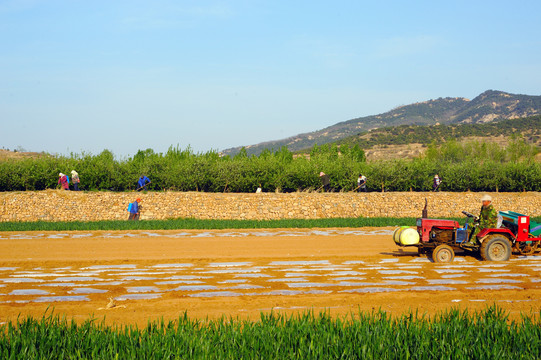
(488, 218)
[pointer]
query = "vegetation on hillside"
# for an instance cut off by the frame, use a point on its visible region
(488, 106)
(527, 128)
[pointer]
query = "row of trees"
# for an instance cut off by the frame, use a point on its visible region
(471, 166)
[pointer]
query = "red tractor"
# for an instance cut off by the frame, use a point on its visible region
(441, 238)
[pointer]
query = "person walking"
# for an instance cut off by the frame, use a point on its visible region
(142, 183)
(361, 183)
(437, 183)
(75, 179)
(63, 181)
(133, 209)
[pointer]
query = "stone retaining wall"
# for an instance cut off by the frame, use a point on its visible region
(58, 205)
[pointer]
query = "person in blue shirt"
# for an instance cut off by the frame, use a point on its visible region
(134, 210)
(142, 183)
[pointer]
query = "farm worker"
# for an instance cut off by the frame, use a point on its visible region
(133, 208)
(488, 218)
(325, 181)
(142, 183)
(75, 179)
(259, 189)
(437, 183)
(361, 183)
(63, 180)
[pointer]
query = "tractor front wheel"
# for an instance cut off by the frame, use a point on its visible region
(443, 253)
(496, 248)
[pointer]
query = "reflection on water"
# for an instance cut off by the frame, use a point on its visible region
(61, 298)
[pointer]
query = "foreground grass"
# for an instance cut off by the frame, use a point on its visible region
(454, 334)
(204, 224)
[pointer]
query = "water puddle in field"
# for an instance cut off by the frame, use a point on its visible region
(396, 272)
(309, 285)
(21, 280)
(177, 265)
(346, 273)
(137, 278)
(369, 290)
(348, 278)
(176, 282)
(187, 277)
(109, 267)
(216, 294)
(292, 279)
(195, 288)
(282, 292)
(497, 281)
(328, 268)
(78, 236)
(449, 271)
(28, 292)
(87, 291)
(353, 262)
(142, 289)
(57, 236)
(492, 270)
(420, 260)
(60, 284)
(61, 298)
(229, 264)
(8, 268)
(451, 276)
(508, 275)
(300, 273)
(245, 287)
(139, 297)
(233, 282)
(299, 263)
(384, 261)
(232, 271)
(252, 276)
(404, 277)
(446, 282)
(494, 287)
(431, 288)
(76, 278)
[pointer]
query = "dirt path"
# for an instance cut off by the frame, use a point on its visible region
(241, 273)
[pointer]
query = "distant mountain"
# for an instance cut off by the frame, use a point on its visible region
(487, 107)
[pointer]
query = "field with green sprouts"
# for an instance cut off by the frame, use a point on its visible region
(454, 334)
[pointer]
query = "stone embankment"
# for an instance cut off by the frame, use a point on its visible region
(57, 205)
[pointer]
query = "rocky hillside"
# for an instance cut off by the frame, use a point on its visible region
(487, 107)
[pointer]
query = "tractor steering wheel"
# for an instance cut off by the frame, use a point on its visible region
(470, 215)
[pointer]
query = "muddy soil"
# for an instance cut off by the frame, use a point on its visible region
(208, 274)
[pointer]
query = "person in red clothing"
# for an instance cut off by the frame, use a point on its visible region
(63, 180)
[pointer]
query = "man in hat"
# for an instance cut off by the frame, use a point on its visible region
(487, 219)
(133, 209)
(142, 183)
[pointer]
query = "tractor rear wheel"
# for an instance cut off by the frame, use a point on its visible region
(495, 248)
(443, 253)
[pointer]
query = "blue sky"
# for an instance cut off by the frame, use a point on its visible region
(127, 75)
